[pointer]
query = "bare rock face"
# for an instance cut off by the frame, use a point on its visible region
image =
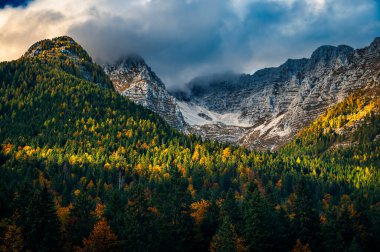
(132, 78)
(266, 109)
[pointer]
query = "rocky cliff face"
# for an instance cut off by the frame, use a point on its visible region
(132, 78)
(267, 109)
(263, 110)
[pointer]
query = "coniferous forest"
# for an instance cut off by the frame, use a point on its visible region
(84, 169)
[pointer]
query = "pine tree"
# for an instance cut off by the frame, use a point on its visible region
(40, 223)
(208, 227)
(225, 239)
(259, 222)
(81, 220)
(139, 232)
(375, 227)
(305, 217)
(115, 212)
(174, 206)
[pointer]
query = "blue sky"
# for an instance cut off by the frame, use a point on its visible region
(181, 39)
(13, 3)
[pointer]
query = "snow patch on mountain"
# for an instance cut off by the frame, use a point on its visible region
(197, 115)
(266, 109)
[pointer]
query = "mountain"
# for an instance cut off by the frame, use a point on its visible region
(85, 168)
(350, 123)
(132, 78)
(65, 53)
(267, 109)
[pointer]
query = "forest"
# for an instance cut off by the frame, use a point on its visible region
(84, 169)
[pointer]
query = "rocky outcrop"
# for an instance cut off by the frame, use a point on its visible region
(70, 57)
(132, 78)
(269, 107)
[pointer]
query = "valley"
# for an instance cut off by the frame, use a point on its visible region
(106, 159)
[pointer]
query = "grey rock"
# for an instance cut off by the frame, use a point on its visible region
(278, 102)
(132, 78)
(264, 110)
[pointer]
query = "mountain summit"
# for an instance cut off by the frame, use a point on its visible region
(59, 47)
(133, 78)
(67, 54)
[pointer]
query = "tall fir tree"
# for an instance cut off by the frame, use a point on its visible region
(259, 221)
(81, 219)
(40, 222)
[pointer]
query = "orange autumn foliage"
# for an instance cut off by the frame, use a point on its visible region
(199, 209)
(102, 238)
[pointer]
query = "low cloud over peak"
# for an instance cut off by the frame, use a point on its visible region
(183, 39)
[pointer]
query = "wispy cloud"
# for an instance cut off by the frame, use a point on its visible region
(182, 39)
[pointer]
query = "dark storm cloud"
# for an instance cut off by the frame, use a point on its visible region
(181, 39)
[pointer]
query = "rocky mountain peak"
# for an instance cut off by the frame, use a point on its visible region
(59, 47)
(375, 45)
(70, 56)
(131, 60)
(134, 69)
(133, 78)
(329, 52)
(329, 55)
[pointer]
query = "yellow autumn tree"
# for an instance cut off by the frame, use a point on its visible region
(102, 238)
(299, 247)
(226, 154)
(13, 239)
(99, 210)
(199, 209)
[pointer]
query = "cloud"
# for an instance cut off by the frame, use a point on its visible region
(181, 39)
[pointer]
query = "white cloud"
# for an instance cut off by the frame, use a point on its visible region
(181, 39)
(316, 5)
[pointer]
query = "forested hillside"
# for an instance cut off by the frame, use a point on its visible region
(82, 168)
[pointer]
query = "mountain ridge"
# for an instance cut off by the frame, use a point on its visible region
(264, 110)
(279, 101)
(84, 168)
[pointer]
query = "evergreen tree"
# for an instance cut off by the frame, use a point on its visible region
(374, 242)
(139, 233)
(174, 207)
(81, 219)
(259, 221)
(40, 222)
(225, 239)
(305, 221)
(115, 212)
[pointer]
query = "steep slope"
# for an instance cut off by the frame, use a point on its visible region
(56, 85)
(349, 129)
(81, 165)
(272, 105)
(132, 78)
